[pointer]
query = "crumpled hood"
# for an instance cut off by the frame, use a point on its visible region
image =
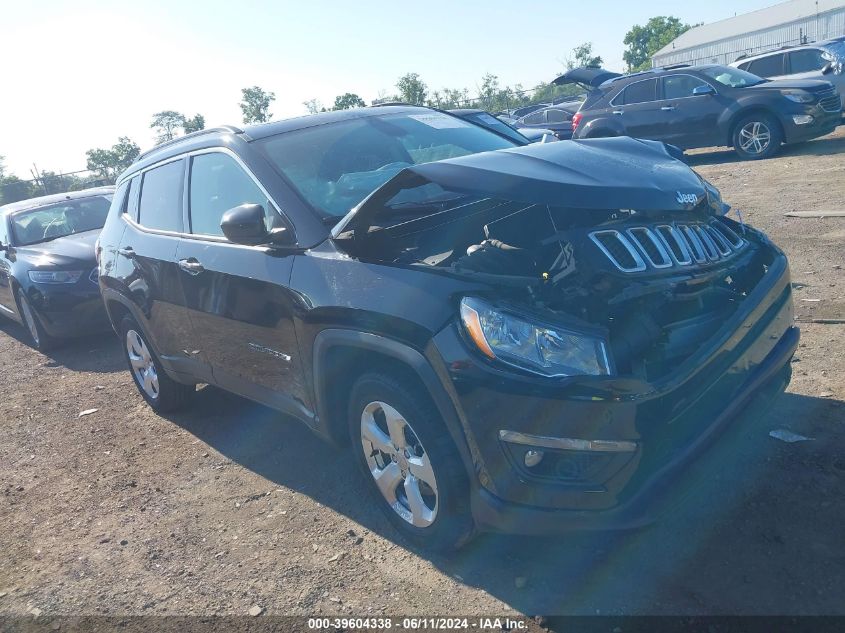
(606, 173)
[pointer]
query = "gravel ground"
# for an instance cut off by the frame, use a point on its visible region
(229, 506)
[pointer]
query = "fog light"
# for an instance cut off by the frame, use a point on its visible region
(532, 458)
(802, 119)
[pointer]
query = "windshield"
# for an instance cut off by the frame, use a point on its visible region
(489, 121)
(732, 77)
(336, 166)
(60, 220)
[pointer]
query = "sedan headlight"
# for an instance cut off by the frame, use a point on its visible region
(798, 96)
(55, 276)
(543, 349)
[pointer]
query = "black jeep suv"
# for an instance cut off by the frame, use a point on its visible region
(705, 106)
(510, 338)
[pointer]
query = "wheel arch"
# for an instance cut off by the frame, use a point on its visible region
(339, 356)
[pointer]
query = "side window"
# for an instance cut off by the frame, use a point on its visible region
(806, 61)
(4, 232)
(535, 117)
(218, 183)
(557, 116)
(160, 206)
(770, 66)
(680, 86)
(131, 206)
(118, 202)
(641, 92)
(744, 66)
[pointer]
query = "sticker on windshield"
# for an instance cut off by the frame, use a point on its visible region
(440, 121)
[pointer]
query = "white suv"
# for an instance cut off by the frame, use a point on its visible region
(820, 60)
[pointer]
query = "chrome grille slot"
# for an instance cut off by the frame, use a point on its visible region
(735, 240)
(650, 246)
(830, 102)
(674, 240)
(707, 242)
(619, 250)
(696, 247)
(719, 240)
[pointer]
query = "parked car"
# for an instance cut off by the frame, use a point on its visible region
(515, 338)
(48, 269)
(820, 60)
(704, 106)
(501, 126)
(557, 118)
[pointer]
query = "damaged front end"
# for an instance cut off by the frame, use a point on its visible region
(602, 257)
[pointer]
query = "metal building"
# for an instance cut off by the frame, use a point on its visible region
(785, 24)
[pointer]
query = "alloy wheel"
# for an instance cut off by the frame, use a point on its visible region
(755, 137)
(399, 464)
(141, 361)
(29, 319)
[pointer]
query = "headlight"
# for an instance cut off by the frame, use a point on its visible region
(798, 96)
(55, 276)
(547, 350)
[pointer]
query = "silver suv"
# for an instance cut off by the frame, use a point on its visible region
(820, 60)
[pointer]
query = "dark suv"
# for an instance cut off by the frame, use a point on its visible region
(517, 338)
(705, 106)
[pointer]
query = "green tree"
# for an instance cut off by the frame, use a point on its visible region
(348, 100)
(582, 55)
(313, 106)
(412, 89)
(641, 42)
(194, 124)
(109, 163)
(255, 104)
(165, 123)
(13, 189)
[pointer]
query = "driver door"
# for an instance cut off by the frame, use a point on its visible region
(7, 302)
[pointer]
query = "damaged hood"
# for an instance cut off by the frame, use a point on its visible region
(606, 173)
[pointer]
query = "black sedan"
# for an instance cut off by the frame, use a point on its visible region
(48, 267)
(557, 118)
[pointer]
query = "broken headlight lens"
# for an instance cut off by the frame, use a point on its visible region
(55, 276)
(543, 349)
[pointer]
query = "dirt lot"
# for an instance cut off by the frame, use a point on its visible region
(229, 506)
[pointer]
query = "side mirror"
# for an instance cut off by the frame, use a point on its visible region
(705, 89)
(827, 68)
(246, 224)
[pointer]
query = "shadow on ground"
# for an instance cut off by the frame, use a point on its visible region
(756, 526)
(823, 146)
(99, 353)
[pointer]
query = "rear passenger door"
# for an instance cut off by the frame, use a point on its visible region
(640, 111)
(7, 302)
(146, 262)
(770, 66)
(237, 296)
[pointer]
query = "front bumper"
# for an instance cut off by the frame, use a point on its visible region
(823, 123)
(68, 311)
(669, 422)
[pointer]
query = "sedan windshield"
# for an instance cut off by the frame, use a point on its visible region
(335, 166)
(60, 220)
(732, 77)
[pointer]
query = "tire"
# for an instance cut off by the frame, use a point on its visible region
(431, 462)
(757, 136)
(38, 337)
(161, 392)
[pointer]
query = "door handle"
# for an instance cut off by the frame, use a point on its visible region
(191, 266)
(667, 108)
(127, 251)
(618, 111)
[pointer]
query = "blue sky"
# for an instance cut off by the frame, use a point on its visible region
(78, 74)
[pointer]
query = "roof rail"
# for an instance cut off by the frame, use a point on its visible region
(229, 129)
(674, 66)
(397, 103)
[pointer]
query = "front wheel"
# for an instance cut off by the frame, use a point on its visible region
(38, 336)
(413, 468)
(757, 136)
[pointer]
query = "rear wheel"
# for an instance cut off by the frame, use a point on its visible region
(39, 338)
(160, 391)
(757, 136)
(412, 466)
